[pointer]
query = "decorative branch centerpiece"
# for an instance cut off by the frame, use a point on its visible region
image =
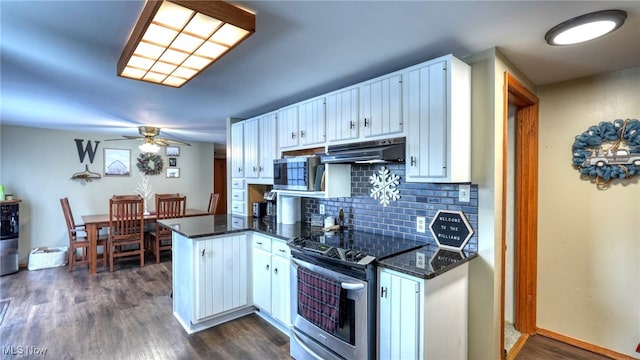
(145, 190)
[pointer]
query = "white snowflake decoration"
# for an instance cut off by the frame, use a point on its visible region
(384, 186)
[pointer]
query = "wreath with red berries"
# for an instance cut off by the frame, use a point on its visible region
(150, 164)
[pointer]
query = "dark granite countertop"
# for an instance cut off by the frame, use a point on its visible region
(437, 260)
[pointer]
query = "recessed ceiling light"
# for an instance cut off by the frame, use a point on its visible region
(586, 27)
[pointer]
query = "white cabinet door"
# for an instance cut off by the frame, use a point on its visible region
(252, 148)
(288, 127)
(221, 275)
(312, 122)
(399, 317)
(268, 146)
(381, 106)
(260, 147)
(342, 115)
(262, 279)
(281, 288)
(237, 146)
(439, 121)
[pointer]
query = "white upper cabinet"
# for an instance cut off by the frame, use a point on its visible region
(260, 138)
(372, 109)
(302, 125)
(342, 115)
(438, 113)
(381, 106)
(288, 131)
(311, 122)
(237, 150)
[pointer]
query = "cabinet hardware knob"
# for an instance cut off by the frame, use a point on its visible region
(282, 250)
(259, 243)
(202, 252)
(383, 292)
(275, 270)
(255, 169)
(413, 161)
(351, 125)
(301, 133)
(267, 266)
(293, 135)
(366, 122)
(239, 169)
(260, 168)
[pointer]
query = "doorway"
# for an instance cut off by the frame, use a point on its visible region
(522, 162)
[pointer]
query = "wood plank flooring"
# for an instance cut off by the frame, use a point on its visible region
(539, 347)
(126, 314)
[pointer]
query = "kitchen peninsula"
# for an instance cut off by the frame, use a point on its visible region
(213, 281)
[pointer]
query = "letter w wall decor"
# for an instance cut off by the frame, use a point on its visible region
(82, 151)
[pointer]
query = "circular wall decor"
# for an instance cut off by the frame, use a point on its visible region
(608, 151)
(150, 164)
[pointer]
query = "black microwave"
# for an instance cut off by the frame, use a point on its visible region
(295, 173)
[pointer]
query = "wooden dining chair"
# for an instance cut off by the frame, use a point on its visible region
(213, 203)
(126, 228)
(78, 239)
(167, 207)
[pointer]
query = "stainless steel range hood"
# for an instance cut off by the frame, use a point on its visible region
(375, 151)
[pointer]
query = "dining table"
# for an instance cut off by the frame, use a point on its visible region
(94, 222)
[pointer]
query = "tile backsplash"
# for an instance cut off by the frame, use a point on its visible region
(398, 219)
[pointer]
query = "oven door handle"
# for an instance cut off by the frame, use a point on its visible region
(351, 286)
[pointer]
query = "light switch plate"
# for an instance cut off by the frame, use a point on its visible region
(321, 209)
(464, 191)
(421, 224)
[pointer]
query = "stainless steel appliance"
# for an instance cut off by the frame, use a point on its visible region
(272, 208)
(9, 234)
(333, 297)
(374, 151)
(259, 209)
(295, 173)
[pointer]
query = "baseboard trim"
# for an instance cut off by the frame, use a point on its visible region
(584, 345)
(515, 349)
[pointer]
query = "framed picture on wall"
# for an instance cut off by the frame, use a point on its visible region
(173, 150)
(173, 172)
(173, 162)
(117, 162)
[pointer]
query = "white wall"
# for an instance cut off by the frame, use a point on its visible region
(588, 239)
(37, 165)
(487, 124)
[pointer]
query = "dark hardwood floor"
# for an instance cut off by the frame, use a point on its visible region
(539, 347)
(126, 314)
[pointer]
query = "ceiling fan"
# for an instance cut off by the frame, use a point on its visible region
(152, 143)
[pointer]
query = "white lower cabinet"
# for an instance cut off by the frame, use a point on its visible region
(398, 316)
(423, 318)
(271, 283)
(210, 280)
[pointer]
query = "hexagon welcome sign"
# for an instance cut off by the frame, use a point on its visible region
(451, 229)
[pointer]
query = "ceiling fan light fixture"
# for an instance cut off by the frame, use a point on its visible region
(586, 27)
(148, 147)
(186, 36)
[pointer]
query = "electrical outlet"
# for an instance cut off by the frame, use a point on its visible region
(420, 260)
(321, 209)
(464, 192)
(421, 224)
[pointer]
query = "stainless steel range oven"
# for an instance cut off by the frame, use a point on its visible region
(333, 297)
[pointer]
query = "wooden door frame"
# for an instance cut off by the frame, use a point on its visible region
(526, 205)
